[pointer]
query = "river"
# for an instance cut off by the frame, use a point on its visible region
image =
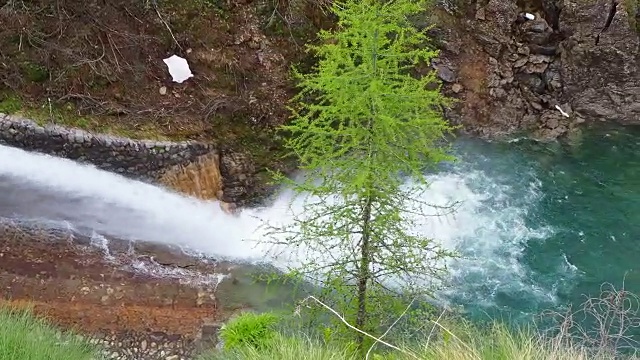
(540, 224)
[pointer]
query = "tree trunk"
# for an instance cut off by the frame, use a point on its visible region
(364, 272)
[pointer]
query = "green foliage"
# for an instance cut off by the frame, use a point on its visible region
(285, 348)
(633, 13)
(465, 342)
(249, 330)
(34, 72)
(9, 104)
(23, 337)
(363, 123)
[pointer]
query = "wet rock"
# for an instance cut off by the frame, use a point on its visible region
(164, 254)
(552, 125)
(237, 170)
(603, 80)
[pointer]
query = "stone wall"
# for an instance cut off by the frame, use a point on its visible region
(139, 159)
(147, 160)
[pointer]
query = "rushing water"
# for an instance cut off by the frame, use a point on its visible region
(540, 224)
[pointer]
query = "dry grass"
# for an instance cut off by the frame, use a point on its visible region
(200, 179)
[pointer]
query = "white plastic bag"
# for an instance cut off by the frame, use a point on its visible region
(178, 68)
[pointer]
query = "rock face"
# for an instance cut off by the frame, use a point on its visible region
(514, 72)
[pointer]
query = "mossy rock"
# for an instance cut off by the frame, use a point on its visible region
(633, 11)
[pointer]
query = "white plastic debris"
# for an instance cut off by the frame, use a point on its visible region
(562, 111)
(178, 68)
(529, 16)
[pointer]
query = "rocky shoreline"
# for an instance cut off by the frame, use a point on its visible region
(135, 301)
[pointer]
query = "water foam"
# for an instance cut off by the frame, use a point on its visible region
(488, 229)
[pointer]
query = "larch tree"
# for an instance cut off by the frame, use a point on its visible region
(365, 128)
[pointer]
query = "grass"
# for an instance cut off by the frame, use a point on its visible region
(10, 104)
(495, 343)
(608, 336)
(66, 115)
(632, 7)
(284, 348)
(25, 337)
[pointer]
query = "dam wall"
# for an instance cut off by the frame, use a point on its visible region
(195, 168)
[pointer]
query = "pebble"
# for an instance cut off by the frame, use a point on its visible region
(132, 347)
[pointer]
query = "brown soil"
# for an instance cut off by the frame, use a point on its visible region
(76, 287)
(98, 65)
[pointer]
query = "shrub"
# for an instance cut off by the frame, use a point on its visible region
(249, 330)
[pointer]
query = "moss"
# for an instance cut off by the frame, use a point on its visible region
(632, 8)
(10, 104)
(34, 72)
(67, 115)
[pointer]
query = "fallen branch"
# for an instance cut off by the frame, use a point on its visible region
(378, 340)
(390, 327)
(155, 7)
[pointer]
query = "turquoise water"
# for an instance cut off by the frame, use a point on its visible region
(542, 225)
(578, 206)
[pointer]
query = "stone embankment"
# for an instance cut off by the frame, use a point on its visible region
(143, 159)
(147, 160)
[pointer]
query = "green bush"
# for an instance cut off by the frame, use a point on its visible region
(24, 337)
(286, 348)
(9, 104)
(249, 330)
(465, 342)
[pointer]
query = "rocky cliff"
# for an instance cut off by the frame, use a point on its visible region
(512, 71)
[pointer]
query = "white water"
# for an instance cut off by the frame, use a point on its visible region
(491, 235)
